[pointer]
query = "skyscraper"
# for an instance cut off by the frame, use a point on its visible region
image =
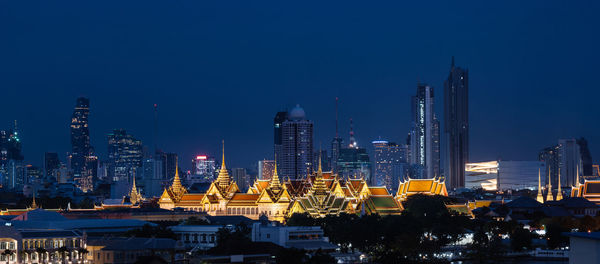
(337, 142)
(280, 117)
(425, 136)
(125, 154)
(390, 160)
(266, 168)
(51, 163)
(297, 144)
(241, 178)
(456, 124)
(564, 156)
(204, 169)
(80, 136)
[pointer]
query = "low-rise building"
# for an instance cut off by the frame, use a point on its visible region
(584, 247)
(37, 246)
(197, 237)
(301, 237)
(129, 250)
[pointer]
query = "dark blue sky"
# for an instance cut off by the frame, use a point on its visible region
(221, 69)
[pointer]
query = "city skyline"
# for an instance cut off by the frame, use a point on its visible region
(513, 102)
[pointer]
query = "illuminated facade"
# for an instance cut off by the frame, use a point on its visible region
(318, 194)
(482, 175)
(425, 134)
(203, 169)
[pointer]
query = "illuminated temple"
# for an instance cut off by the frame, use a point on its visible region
(318, 194)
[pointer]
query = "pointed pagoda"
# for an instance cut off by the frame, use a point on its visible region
(134, 195)
(549, 196)
(223, 179)
(559, 192)
(540, 197)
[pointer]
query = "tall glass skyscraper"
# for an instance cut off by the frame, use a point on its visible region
(280, 117)
(425, 136)
(125, 154)
(456, 125)
(297, 144)
(80, 136)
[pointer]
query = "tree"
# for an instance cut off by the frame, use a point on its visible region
(7, 254)
(63, 251)
(291, 256)
(41, 254)
(554, 235)
(520, 239)
(81, 252)
(147, 230)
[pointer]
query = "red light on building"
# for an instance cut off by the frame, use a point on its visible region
(200, 157)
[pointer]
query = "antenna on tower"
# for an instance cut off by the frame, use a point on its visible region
(155, 128)
(337, 135)
(352, 139)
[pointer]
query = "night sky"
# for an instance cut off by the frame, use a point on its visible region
(222, 69)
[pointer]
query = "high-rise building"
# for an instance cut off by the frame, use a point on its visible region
(586, 157)
(425, 136)
(297, 143)
(569, 157)
(204, 169)
(325, 160)
(565, 157)
(456, 125)
(390, 163)
(355, 163)
(266, 168)
(51, 163)
(80, 136)
(241, 178)
(152, 178)
(336, 143)
(280, 117)
(125, 155)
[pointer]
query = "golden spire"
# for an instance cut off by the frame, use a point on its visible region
(549, 196)
(559, 193)
(319, 187)
(33, 204)
(134, 195)
(275, 184)
(577, 178)
(540, 197)
(223, 178)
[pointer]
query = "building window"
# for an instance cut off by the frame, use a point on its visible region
(3, 245)
(11, 245)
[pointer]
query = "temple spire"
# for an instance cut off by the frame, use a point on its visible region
(549, 196)
(577, 178)
(540, 197)
(33, 204)
(559, 193)
(275, 183)
(223, 178)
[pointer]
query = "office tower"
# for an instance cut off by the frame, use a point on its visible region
(241, 178)
(297, 143)
(280, 117)
(204, 169)
(549, 156)
(456, 125)
(425, 136)
(355, 163)
(80, 136)
(566, 156)
(10, 147)
(569, 157)
(63, 174)
(337, 142)
(125, 155)
(150, 183)
(51, 163)
(266, 169)
(586, 157)
(390, 163)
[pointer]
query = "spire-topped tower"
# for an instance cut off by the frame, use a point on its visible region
(549, 196)
(559, 192)
(319, 187)
(33, 204)
(540, 197)
(275, 183)
(577, 183)
(134, 194)
(223, 178)
(353, 143)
